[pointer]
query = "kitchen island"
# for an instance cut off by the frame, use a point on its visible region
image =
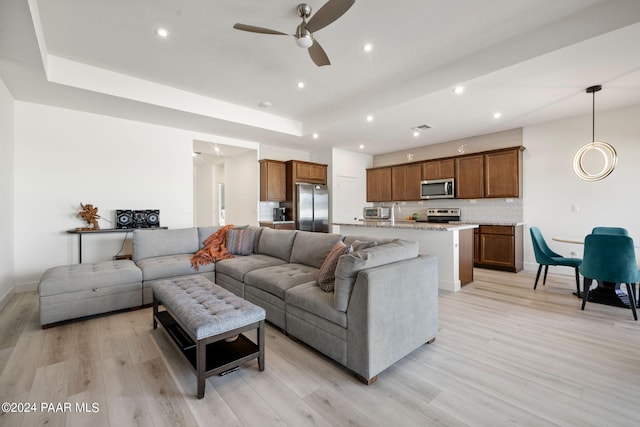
(451, 243)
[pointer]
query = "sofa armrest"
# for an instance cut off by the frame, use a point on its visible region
(393, 310)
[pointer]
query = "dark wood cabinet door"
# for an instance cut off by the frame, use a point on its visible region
(405, 182)
(438, 169)
(379, 185)
(470, 177)
(502, 177)
(311, 172)
(272, 181)
(497, 250)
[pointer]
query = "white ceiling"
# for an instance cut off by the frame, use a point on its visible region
(529, 59)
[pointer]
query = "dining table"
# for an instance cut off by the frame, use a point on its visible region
(608, 293)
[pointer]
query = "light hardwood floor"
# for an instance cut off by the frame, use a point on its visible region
(505, 355)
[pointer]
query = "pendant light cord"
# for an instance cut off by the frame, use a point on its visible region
(593, 119)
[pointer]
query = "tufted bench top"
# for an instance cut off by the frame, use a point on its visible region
(80, 277)
(205, 308)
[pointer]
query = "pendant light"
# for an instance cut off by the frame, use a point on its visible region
(608, 153)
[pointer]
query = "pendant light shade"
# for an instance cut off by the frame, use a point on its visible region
(601, 149)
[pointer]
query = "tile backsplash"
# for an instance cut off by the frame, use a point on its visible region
(480, 210)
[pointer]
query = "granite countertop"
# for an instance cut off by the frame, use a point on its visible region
(276, 222)
(413, 225)
(484, 222)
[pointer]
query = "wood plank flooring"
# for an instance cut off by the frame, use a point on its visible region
(505, 355)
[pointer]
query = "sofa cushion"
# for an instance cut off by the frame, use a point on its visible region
(312, 248)
(204, 232)
(153, 243)
(350, 264)
(80, 277)
(276, 280)
(327, 272)
(240, 242)
(276, 243)
(170, 266)
(239, 266)
(358, 245)
(311, 298)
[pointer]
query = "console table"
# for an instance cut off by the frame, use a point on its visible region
(81, 232)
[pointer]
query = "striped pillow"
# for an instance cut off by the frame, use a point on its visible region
(240, 241)
(327, 273)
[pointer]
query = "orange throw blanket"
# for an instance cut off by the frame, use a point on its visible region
(215, 248)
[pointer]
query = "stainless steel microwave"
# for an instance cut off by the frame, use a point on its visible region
(437, 189)
(378, 212)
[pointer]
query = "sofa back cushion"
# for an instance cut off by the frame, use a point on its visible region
(204, 232)
(153, 243)
(350, 240)
(276, 243)
(312, 248)
(351, 264)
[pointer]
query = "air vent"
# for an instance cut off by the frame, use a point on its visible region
(421, 127)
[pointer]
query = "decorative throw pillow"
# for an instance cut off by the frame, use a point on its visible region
(359, 244)
(327, 273)
(240, 241)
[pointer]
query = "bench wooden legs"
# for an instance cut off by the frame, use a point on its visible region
(261, 345)
(201, 369)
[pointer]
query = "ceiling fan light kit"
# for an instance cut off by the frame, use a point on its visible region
(608, 153)
(328, 13)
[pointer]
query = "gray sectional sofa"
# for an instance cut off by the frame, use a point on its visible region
(384, 304)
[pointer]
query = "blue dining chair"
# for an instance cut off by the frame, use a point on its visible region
(618, 231)
(546, 257)
(610, 258)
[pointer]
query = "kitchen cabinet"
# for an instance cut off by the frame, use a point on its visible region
(379, 184)
(470, 177)
(314, 173)
(490, 174)
(502, 173)
(272, 181)
(438, 169)
(499, 247)
(405, 182)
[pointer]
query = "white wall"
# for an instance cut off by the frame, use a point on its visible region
(65, 157)
(241, 187)
(551, 187)
(7, 219)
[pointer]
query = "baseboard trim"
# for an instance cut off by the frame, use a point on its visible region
(26, 287)
(5, 299)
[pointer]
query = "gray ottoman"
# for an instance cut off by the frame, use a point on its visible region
(72, 291)
(206, 322)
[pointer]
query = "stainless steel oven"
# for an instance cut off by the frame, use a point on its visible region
(437, 189)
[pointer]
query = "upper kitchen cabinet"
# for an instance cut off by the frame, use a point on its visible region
(405, 182)
(502, 173)
(314, 173)
(470, 177)
(490, 174)
(379, 184)
(272, 181)
(438, 169)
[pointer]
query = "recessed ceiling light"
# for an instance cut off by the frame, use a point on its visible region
(367, 47)
(369, 118)
(458, 90)
(416, 133)
(300, 85)
(361, 146)
(316, 136)
(497, 115)
(162, 32)
(265, 104)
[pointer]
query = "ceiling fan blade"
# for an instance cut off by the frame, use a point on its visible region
(260, 30)
(318, 55)
(329, 12)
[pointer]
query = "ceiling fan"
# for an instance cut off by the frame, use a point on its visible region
(329, 12)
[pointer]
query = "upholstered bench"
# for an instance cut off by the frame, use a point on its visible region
(206, 322)
(77, 290)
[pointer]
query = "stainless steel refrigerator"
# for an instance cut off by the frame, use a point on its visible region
(312, 207)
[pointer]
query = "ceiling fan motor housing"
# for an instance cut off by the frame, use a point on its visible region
(304, 10)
